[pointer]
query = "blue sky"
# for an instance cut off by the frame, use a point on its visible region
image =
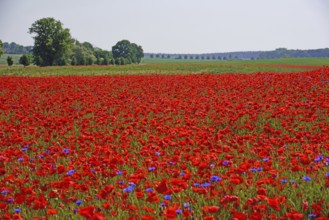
(177, 26)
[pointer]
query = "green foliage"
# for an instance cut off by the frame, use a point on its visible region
(13, 48)
(1, 49)
(127, 53)
(52, 42)
(25, 60)
(10, 61)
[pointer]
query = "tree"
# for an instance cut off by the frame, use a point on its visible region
(25, 60)
(10, 61)
(52, 42)
(1, 49)
(130, 52)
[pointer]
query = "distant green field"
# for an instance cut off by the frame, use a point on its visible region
(3, 58)
(150, 66)
(288, 61)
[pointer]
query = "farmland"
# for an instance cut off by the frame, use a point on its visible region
(200, 140)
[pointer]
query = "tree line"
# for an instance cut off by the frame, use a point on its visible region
(54, 46)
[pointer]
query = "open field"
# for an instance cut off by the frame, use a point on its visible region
(158, 141)
(173, 67)
(3, 58)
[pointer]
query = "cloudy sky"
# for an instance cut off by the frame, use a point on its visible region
(177, 26)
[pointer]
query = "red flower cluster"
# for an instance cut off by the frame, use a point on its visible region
(242, 146)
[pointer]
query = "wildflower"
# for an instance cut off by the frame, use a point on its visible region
(121, 182)
(119, 172)
(149, 190)
(212, 166)
(70, 173)
(171, 163)
(151, 169)
(167, 197)
(66, 151)
(266, 159)
(312, 216)
(259, 169)
(318, 158)
(253, 170)
(17, 210)
(327, 174)
(20, 159)
(307, 178)
(186, 204)
(205, 185)
(78, 202)
(292, 181)
(129, 189)
(162, 204)
(215, 178)
(179, 211)
(225, 162)
(4, 192)
(157, 154)
(182, 173)
(283, 181)
(10, 200)
(196, 184)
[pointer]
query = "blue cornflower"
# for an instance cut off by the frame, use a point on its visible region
(171, 163)
(24, 149)
(66, 151)
(318, 158)
(167, 197)
(151, 169)
(259, 169)
(179, 211)
(10, 200)
(292, 181)
(41, 156)
(157, 154)
(70, 173)
(212, 166)
(225, 162)
(205, 185)
(182, 173)
(92, 170)
(47, 151)
(327, 174)
(149, 190)
(21, 159)
(75, 210)
(78, 202)
(129, 189)
(196, 184)
(253, 170)
(119, 172)
(162, 204)
(121, 182)
(4, 192)
(307, 178)
(312, 216)
(132, 184)
(266, 159)
(283, 181)
(186, 204)
(17, 210)
(215, 179)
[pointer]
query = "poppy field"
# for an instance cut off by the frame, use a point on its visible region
(194, 146)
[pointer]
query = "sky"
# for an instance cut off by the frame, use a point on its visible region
(177, 26)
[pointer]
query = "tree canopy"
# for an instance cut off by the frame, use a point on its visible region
(52, 42)
(25, 60)
(1, 50)
(125, 52)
